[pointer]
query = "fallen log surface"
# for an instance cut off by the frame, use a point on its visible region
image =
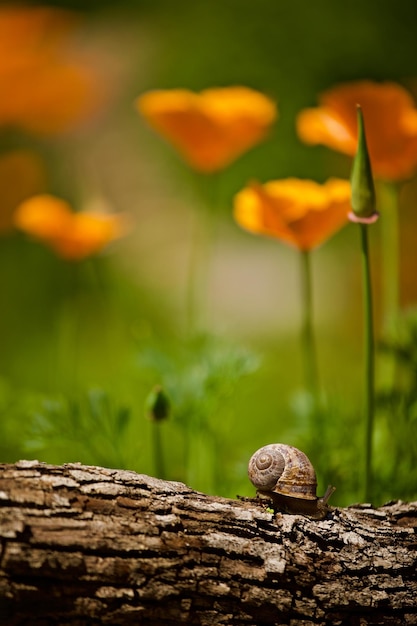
(85, 545)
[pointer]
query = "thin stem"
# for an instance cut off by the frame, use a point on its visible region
(307, 331)
(202, 460)
(369, 400)
(202, 237)
(158, 453)
(193, 262)
(199, 455)
(197, 271)
(69, 325)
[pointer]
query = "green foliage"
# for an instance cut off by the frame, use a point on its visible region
(92, 428)
(397, 404)
(200, 377)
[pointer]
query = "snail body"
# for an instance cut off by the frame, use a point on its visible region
(286, 476)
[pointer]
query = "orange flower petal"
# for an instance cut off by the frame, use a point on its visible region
(210, 129)
(45, 88)
(391, 125)
(323, 126)
(23, 28)
(88, 233)
(301, 213)
(43, 217)
(71, 235)
(49, 98)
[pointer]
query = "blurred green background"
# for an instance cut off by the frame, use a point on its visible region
(83, 344)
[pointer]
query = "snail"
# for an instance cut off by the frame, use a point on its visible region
(286, 476)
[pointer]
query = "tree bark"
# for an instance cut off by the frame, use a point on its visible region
(88, 545)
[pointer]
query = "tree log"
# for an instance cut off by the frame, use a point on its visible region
(87, 545)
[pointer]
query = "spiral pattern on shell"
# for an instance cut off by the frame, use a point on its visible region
(265, 467)
(283, 469)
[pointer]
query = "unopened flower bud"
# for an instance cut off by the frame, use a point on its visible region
(362, 182)
(157, 404)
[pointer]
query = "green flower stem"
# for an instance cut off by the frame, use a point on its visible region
(69, 325)
(199, 452)
(369, 396)
(157, 449)
(202, 237)
(202, 458)
(307, 332)
(197, 271)
(390, 250)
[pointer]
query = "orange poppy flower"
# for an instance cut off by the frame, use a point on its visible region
(302, 213)
(211, 128)
(22, 174)
(391, 125)
(45, 87)
(72, 236)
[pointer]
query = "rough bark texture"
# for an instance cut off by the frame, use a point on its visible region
(88, 545)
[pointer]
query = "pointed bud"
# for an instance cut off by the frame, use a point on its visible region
(362, 182)
(157, 404)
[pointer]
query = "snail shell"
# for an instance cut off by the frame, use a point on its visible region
(284, 470)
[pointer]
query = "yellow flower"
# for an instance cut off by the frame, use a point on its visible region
(45, 88)
(391, 125)
(302, 213)
(211, 128)
(72, 236)
(22, 174)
